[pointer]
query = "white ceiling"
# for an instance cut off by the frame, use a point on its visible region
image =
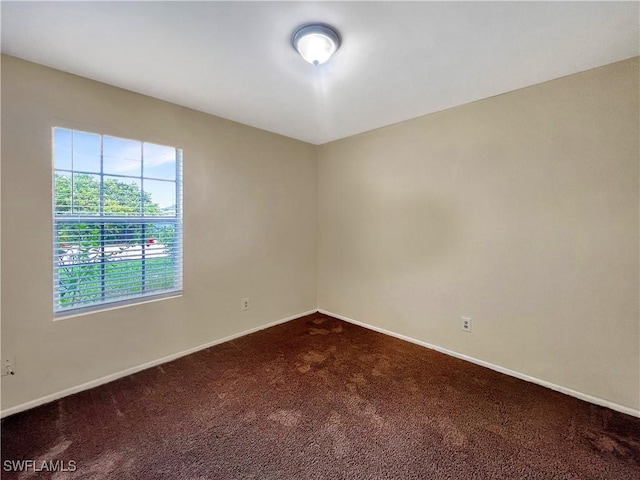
(398, 60)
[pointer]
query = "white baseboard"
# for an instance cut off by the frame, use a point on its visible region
(114, 376)
(558, 388)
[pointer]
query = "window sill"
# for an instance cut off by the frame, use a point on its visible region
(125, 304)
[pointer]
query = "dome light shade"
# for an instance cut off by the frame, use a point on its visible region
(316, 43)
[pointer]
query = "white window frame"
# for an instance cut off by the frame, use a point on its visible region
(101, 219)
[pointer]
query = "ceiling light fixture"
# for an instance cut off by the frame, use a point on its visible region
(316, 43)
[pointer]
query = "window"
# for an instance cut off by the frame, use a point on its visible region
(117, 220)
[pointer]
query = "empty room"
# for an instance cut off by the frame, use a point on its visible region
(320, 240)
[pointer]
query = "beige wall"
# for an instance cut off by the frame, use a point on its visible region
(520, 211)
(250, 231)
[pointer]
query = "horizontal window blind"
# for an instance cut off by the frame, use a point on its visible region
(117, 221)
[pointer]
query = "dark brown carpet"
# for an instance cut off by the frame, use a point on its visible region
(319, 398)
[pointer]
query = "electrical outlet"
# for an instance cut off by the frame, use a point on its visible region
(8, 366)
(245, 303)
(465, 324)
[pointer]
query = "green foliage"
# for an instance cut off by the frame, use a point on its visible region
(88, 267)
(83, 284)
(120, 198)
